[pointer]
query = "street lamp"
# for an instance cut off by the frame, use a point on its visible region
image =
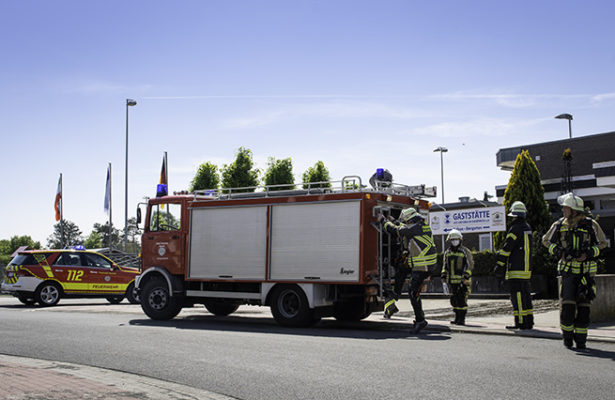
(129, 103)
(442, 150)
(569, 118)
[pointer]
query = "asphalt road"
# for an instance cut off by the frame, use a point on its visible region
(252, 358)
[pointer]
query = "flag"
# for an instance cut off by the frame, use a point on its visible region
(163, 171)
(108, 191)
(58, 203)
(162, 188)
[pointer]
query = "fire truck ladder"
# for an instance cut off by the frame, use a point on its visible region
(385, 267)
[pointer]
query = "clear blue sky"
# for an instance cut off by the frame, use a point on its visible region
(357, 84)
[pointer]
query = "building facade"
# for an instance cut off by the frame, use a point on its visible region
(584, 165)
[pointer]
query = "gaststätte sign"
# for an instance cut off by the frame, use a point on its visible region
(468, 220)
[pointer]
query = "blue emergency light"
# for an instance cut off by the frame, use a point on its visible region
(161, 190)
(79, 247)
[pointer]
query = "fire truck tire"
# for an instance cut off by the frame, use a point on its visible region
(156, 301)
(28, 301)
(48, 294)
(221, 308)
(115, 299)
(290, 307)
(354, 310)
(131, 294)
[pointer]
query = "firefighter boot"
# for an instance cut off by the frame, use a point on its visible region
(418, 326)
(390, 308)
(456, 320)
(462, 317)
(528, 322)
(580, 340)
(568, 340)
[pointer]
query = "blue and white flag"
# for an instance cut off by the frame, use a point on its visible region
(108, 192)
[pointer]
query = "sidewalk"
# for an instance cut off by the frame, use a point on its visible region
(490, 316)
(30, 379)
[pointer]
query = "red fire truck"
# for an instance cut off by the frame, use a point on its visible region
(306, 253)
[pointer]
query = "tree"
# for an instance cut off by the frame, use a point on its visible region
(206, 177)
(317, 173)
(8, 247)
(93, 241)
(524, 185)
(280, 172)
(72, 235)
(240, 173)
(103, 231)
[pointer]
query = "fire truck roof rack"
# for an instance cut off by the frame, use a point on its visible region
(351, 183)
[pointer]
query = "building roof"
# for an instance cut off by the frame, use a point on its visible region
(586, 151)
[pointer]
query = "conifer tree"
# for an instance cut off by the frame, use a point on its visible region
(524, 185)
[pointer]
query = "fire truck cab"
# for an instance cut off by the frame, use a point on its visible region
(308, 253)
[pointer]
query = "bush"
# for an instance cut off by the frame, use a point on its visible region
(484, 262)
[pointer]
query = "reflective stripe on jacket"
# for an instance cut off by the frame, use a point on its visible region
(575, 237)
(516, 253)
(419, 241)
(457, 264)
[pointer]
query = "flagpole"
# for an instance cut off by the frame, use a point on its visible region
(61, 211)
(110, 215)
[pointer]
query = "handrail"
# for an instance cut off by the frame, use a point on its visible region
(349, 183)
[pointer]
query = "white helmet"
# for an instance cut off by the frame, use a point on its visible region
(572, 201)
(454, 234)
(407, 214)
(517, 210)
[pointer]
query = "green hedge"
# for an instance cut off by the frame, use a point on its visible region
(542, 262)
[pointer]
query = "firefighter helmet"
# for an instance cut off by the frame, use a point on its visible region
(517, 210)
(407, 214)
(454, 234)
(572, 201)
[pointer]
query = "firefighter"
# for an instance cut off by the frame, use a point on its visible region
(515, 257)
(457, 268)
(400, 265)
(416, 234)
(576, 240)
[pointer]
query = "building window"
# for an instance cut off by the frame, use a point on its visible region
(484, 242)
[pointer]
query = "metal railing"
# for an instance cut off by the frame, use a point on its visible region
(350, 183)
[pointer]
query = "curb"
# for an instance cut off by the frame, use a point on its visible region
(538, 332)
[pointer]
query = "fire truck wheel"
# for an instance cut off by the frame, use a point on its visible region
(221, 308)
(131, 294)
(26, 300)
(48, 294)
(354, 310)
(115, 299)
(290, 307)
(156, 301)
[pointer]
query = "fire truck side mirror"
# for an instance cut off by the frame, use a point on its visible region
(138, 216)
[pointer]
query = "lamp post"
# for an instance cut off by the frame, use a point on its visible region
(442, 150)
(129, 103)
(569, 118)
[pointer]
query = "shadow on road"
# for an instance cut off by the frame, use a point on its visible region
(326, 328)
(597, 353)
